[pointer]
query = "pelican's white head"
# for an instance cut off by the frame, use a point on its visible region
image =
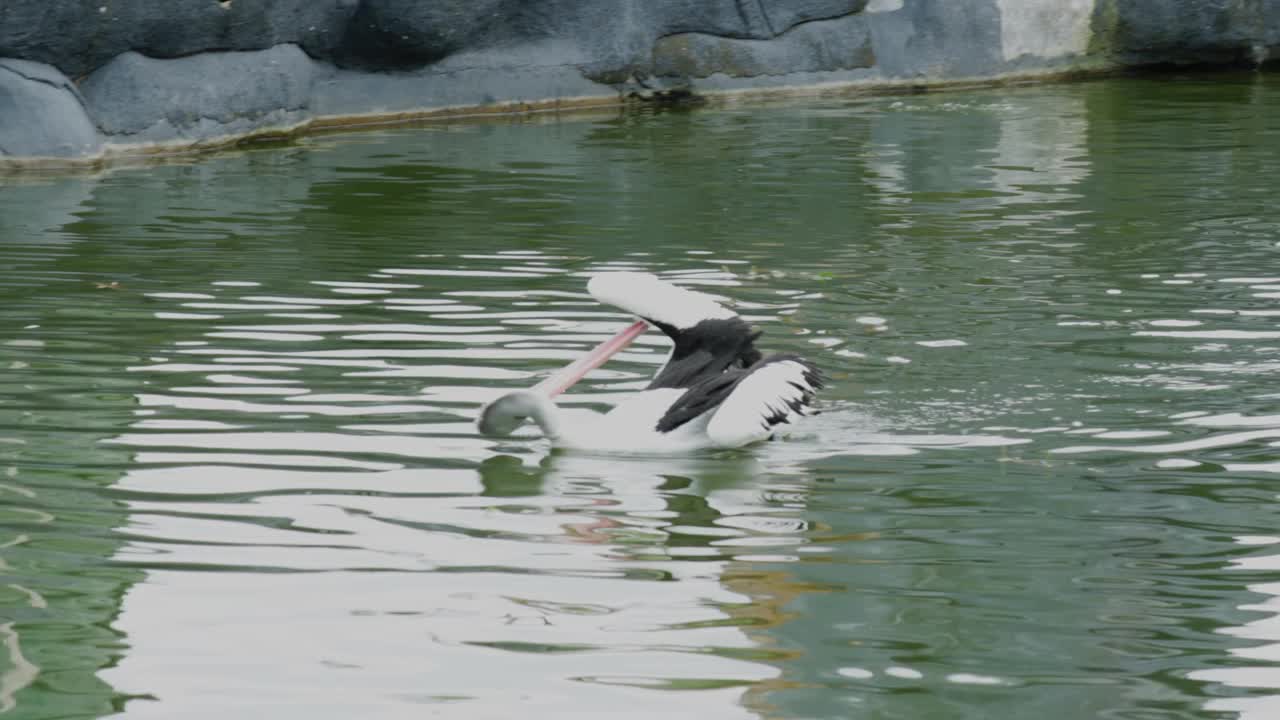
(502, 416)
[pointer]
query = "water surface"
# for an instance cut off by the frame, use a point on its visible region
(238, 471)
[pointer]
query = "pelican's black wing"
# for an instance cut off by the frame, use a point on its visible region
(769, 392)
(705, 351)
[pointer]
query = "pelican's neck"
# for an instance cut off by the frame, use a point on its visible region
(504, 415)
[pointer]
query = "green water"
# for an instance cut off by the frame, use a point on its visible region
(239, 476)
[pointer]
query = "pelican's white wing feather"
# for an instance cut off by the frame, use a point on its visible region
(646, 296)
(775, 392)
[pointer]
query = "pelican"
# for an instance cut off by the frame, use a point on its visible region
(716, 389)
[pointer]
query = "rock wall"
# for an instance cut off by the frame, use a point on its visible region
(82, 79)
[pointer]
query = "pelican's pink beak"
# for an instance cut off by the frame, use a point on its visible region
(575, 371)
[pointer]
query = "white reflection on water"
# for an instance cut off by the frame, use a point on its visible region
(348, 566)
(1265, 630)
(1243, 429)
(338, 594)
(19, 671)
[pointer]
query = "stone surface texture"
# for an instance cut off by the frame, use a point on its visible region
(81, 78)
(42, 114)
(140, 99)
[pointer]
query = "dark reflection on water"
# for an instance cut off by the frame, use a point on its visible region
(239, 470)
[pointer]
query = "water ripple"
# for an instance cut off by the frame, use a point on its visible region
(238, 465)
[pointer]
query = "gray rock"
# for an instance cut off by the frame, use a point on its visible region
(1202, 32)
(474, 81)
(1270, 50)
(783, 16)
(195, 70)
(41, 114)
(408, 33)
(730, 18)
(939, 40)
(141, 99)
(78, 36)
(811, 47)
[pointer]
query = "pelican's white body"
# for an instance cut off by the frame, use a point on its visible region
(739, 421)
(631, 427)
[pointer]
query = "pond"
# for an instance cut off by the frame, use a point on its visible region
(239, 471)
